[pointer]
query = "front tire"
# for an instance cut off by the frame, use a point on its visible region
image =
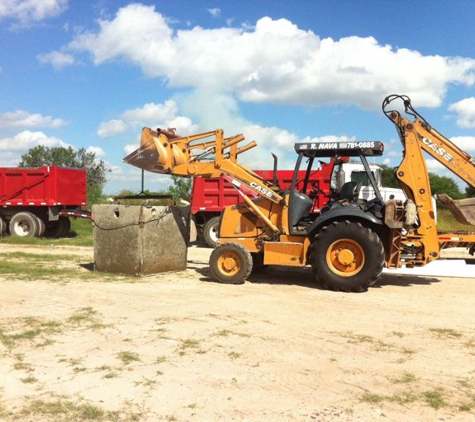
(230, 263)
(346, 256)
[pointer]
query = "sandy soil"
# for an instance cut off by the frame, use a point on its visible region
(177, 347)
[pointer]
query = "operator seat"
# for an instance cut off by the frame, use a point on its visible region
(348, 191)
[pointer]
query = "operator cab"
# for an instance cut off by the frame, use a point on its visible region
(309, 153)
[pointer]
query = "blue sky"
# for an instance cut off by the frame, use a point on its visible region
(92, 73)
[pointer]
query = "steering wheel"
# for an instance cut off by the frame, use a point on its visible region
(316, 190)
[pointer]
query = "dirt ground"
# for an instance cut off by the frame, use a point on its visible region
(178, 347)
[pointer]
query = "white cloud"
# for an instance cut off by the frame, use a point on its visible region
(57, 59)
(274, 61)
(434, 165)
(26, 11)
(465, 110)
(466, 143)
(150, 115)
(215, 12)
(12, 148)
(22, 119)
(99, 152)
(129, 148)
(25, 140)
(111, 128)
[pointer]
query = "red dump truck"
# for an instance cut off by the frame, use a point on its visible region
(38, 201)
(209, 197)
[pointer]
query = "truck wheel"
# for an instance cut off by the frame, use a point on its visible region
(345, 256)
(24, 224)
(52, 229)
(3, 226)
(41, 226)
(211, 231)
(230, 263)
(58, 228)
(65, 226)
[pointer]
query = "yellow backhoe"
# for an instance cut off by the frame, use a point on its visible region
(350, 242)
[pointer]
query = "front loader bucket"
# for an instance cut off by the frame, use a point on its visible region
(144, 157)
(462, 209)
(152, 155)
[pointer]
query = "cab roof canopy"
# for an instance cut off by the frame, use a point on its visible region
(347, 149)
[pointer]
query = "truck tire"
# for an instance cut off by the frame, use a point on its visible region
(24, 224)
(65, 226)
(230, 263)
(211, 231)
(58, 228)
(346, 256)
(3, 226)
(41, 226)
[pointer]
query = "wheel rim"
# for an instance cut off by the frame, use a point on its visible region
(213, 232)
(345, 257)
(228, 263)
(22, 228)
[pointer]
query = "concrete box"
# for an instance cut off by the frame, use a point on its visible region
(140, 239)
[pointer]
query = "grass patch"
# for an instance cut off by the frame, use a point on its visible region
(434, 398)
(29, 380)
(39, 271)
(40, 257)
(372, 398)
(82, 316)
(128, 357)
(446, 221)
(67, 410)
(403, 398)
(188, 344)
(445, 332)
(32, 330)
(405, 378)
(234, 355)
(160, 359)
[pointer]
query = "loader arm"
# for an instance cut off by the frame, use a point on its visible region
(208, 155)
(417, 136)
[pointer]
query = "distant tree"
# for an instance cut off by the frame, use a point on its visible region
(389, 179)
(470, 191)
(69, 157)
(443, 184)
(181, 188)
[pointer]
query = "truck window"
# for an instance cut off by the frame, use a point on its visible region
(361, 176)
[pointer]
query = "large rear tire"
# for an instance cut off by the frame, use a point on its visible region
(230, 263)
(211, 231)
(346, 256)
(24, 224)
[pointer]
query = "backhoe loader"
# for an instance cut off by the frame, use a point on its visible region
(350, 242)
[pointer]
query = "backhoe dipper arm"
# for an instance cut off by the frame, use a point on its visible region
(435, 144)
(416, 137)
(165, 153)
